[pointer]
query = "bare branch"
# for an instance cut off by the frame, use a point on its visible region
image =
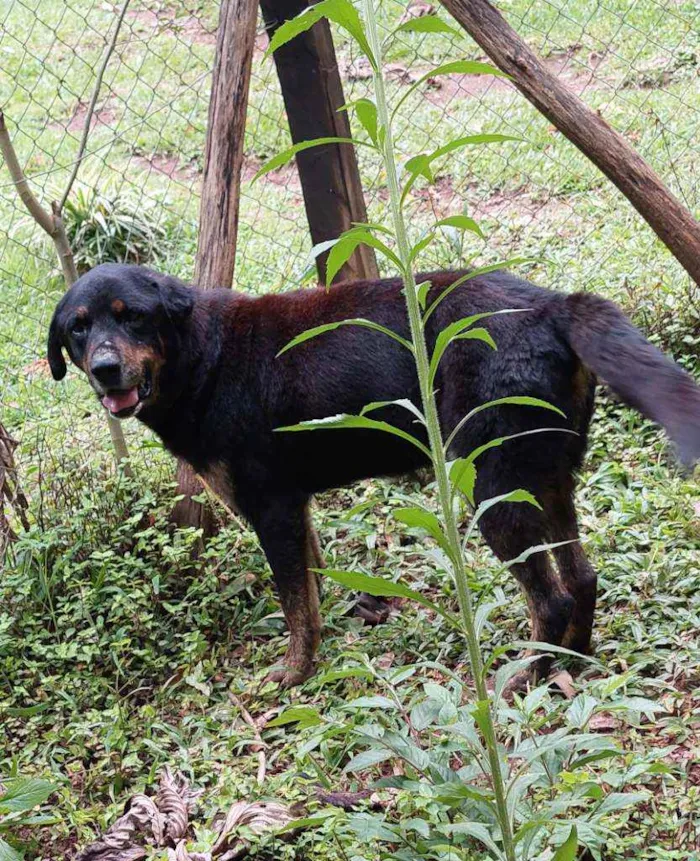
(93, 102)
(19, 180)
(52, 223)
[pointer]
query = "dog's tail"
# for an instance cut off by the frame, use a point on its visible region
(607, 343)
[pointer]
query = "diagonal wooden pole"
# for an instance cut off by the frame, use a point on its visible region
(605, 147)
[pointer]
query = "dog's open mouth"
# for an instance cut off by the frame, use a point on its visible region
(123, 403)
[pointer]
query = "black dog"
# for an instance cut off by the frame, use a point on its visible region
(201, 369)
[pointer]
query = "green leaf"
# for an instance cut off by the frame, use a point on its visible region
(569, 848)
(307, 821)
(342, 12)
(7, 853)
(420, 245)
(24, 793)
(483, 611)
(305, 716)
(426, 24)
(348, 673)
(366, 112)
(620, 800)
(379, 587)
(401, 402)
(463, 477)
(505, 673)
(513, 400)
(346, 245)
(421, 165)
(27, 711)
(375, 702)
(474, 273)
(474, 829)
(342, 251)
(425, 713)
(452, 332)
(422, 291)
(344, 421)
(518, 495)
(371, 827)
(461, 222)
(329, 327)
(368, 758)
(478, 334)
(289, 153)
(426, 520)
(295, 26)
(456, 67)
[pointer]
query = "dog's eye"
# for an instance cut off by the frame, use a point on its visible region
(79, 327)
(135, 320)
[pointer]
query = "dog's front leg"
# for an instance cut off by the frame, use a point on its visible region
(282, 527)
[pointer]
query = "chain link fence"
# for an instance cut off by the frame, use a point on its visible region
(137, 194)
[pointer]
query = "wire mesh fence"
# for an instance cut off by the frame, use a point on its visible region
(137, 194)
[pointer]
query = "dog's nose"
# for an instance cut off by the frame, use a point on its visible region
(106, 370)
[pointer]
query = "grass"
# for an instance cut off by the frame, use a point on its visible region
(116, 654)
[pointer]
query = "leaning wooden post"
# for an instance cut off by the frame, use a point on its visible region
(313, 93)
(604, 146)
(221, 185)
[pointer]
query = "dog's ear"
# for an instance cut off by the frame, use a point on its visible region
(176, 298)
(54, 353)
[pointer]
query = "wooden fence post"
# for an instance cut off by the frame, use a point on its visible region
(313, 93)
(221, 185)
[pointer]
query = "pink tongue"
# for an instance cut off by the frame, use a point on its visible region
(119, 401)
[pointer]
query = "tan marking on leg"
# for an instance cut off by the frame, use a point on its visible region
(314, 555)
(217, 480)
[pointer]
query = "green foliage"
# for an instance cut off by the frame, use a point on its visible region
(113, 224)
(103, 685)
(498, 833)
(19, 796)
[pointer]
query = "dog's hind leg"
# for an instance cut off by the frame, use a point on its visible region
(509, 529)
(577, 573)
(282, 526)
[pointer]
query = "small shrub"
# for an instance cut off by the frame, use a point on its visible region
(113, 224)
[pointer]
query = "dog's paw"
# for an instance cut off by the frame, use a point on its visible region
(519, 684)
(373, 610)
(289, 677)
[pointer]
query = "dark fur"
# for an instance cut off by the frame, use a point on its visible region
(219, 392)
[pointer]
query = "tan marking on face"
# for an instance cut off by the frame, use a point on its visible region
(118, 306)
(82, 312)
(135, 357)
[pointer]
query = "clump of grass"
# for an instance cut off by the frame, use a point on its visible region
(112, 224)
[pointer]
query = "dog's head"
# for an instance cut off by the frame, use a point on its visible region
(118, 324)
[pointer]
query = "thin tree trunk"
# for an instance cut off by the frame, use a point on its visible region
(604, 146)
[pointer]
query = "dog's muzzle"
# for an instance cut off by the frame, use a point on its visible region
(121, 396)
